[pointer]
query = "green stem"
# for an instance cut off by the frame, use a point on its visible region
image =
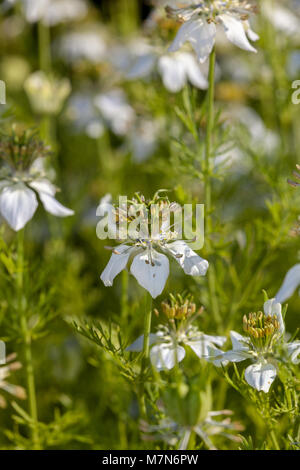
(147, 329)
(27, 343)
(124, 295)
(44, 41)
(208, 198)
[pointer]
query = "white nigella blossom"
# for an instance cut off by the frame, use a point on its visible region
(22, 178)
(82, 45)
(201, 18)
(167, 344)
(46, 94)
(115, 110)
(175, 69)
(144, 138)
(95, 113)
(147, 249)
(262, 345)
(53, 12)
(282, 18)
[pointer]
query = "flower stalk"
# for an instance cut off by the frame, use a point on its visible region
(29, 370)
(208, 199)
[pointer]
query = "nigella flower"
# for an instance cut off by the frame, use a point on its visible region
(86, 45)
(22, 177)
(46, 94)
(175, 69)
(147, 249)
(167, 345)
(5, 370)
(264, 344)
(199, 24)
(53, 12)
(186, 408)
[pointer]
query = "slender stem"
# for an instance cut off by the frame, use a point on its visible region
(44, 41)
(27, 342)
(208, 198)
(147, 329)
(124, 295)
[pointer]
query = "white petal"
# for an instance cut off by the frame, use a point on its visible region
(219, 340)
(163, 356)
(152, 278)
(54, 207)
(239, 342)
(294, 351)
(201, 36)
(290, 284)
(273, 308)
(193, 70)
(250, 33)
(44, 186)
(138, 344)
(235, 32)
(17, 205)
(260, 376)
(116, 264)
(173, 74)
(236, 355)
(190, 262)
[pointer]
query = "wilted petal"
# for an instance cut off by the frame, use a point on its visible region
(273, 308)
(294, 351)
(235, 32)
(173, 74)
(260, 376)
(18, 203)
(163, 356)
(190, 262)
(201, 36)
(116, 264)
(152, 278)
(290, 284)
(138, 344)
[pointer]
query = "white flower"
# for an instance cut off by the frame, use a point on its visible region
(53, 12)
(282, 18)
(19, 187)
(290, 284)
(115, 110)
(265, 333)
(46, 94)
(149, 266)
(144, 138)
(175, 69)
(199, 25)
(10, 365)
(82, 45)
(167, 346)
